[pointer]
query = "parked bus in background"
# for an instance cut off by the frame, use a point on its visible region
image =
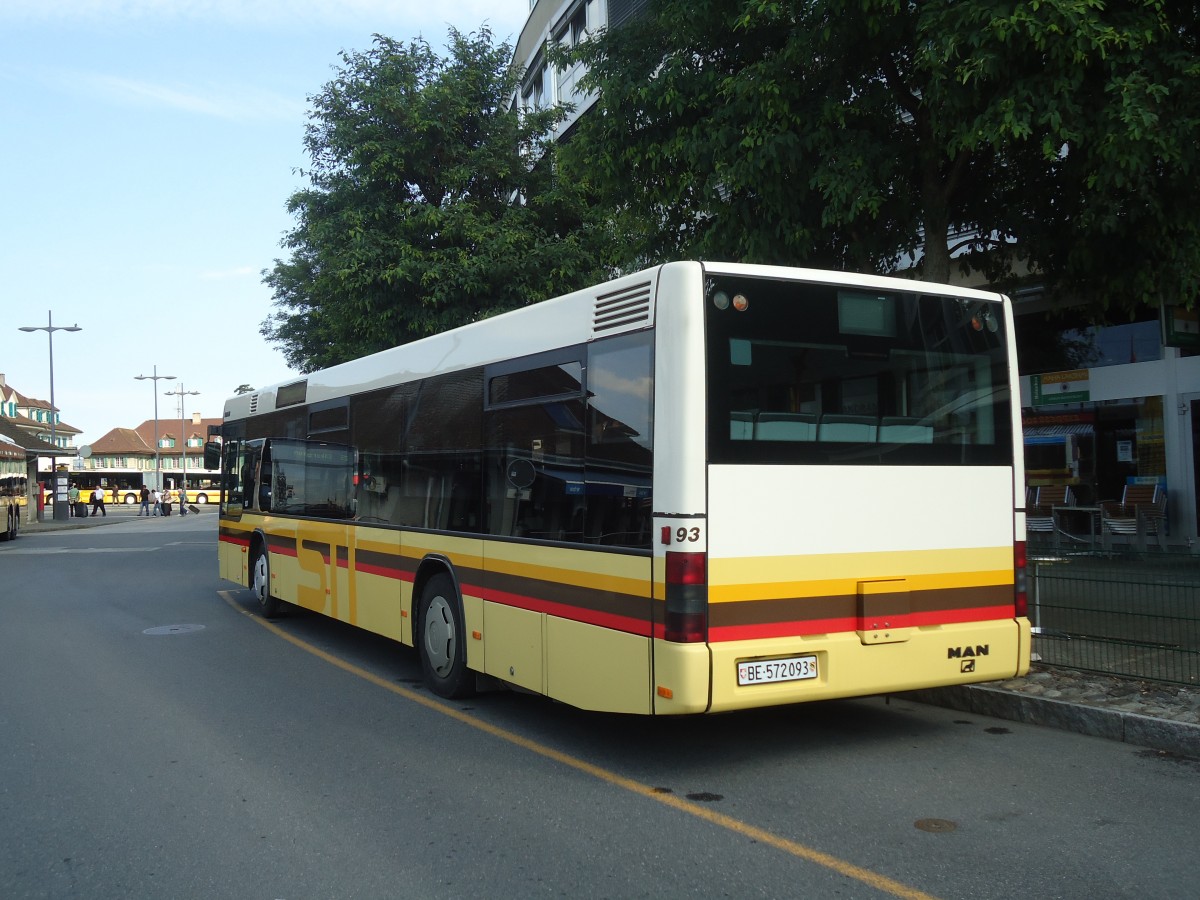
(126, 486)
(123, 487)
(202, 487)
(701, 487)
(14, 487)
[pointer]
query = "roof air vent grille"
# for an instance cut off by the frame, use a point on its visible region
(622, 309)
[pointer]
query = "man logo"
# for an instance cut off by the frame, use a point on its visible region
(967, 652)
(968, 665)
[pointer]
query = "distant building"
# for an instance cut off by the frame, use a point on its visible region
(126, 458)
(34, 417)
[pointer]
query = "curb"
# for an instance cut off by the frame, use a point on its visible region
(1181, 738)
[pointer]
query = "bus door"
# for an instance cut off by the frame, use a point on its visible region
(241, 466)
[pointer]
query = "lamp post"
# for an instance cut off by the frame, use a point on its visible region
(60, 509)
(156, 378)
(181, 393)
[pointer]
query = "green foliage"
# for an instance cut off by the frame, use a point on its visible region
(432, 203)
(1051, 136)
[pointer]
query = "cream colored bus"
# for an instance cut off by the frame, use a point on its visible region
(701, 487)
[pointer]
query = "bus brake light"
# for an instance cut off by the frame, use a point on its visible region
(686, 619)
(1019, 580)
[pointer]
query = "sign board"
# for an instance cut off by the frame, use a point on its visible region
(1060, 387)
(1181, 327)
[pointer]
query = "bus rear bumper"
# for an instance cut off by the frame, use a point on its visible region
(825, 667)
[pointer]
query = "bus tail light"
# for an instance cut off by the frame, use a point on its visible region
(687, 598)
(1020, 588)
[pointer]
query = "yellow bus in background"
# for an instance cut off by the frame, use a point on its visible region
(14, 489)
(701, 487)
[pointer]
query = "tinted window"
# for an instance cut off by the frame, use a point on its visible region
(619, 455)
(822, 374)
(310, 478)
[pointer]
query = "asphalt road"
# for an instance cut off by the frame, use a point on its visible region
(157, 739)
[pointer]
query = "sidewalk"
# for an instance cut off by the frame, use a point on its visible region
(1156, 715)
(123, 512)
(1159, 716)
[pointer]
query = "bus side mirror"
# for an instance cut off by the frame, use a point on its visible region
(212, 455)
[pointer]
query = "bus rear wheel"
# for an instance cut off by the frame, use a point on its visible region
(440, 640)
(260, 583)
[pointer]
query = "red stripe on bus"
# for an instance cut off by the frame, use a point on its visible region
(383, 571)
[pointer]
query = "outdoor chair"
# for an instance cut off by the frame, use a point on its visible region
(1040, 516)
(1142, 511)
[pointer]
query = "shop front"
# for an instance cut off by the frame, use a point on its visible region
(1105, 428)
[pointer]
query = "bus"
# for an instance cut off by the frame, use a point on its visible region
(698, 488)
(14, 487)
(202, 487)
(125, 485)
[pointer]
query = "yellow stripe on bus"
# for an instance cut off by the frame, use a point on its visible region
(838, 574)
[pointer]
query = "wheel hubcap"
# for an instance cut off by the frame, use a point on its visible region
(439, 635)
(260, 579)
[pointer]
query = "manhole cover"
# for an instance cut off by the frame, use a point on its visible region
(173, 629)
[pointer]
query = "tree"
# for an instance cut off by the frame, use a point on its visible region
(243, 388)
(432, 203)
(1054, 136)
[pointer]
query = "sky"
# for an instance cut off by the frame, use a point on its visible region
(147, 152)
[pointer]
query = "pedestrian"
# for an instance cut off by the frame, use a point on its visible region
(74, 495)
(145, 508)
(157, 502)
(98, 501)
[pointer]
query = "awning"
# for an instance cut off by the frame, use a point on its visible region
(1058, 430)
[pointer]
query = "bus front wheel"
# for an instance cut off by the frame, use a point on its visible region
(440, 640)
(260, 583)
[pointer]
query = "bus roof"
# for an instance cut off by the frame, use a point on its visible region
(623, 304)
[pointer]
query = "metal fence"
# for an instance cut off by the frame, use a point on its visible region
(1129, 614)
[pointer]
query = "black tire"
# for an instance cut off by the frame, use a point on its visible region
(441, 640)
(202, 499)
(260, 583)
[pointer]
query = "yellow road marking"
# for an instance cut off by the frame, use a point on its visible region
(866, 876)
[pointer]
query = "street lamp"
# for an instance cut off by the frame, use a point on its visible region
(60, 509)
(156, 378)
(181, 393)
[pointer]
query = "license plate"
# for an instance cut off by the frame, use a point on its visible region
(766, 671)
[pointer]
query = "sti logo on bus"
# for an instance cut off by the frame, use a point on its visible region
(967, 655)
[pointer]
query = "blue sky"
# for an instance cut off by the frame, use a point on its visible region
(148, 150)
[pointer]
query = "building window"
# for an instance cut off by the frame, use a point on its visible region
(534, 94)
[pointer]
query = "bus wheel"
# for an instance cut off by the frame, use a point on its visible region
(440, 640)
(202, 499)
(260, 583)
